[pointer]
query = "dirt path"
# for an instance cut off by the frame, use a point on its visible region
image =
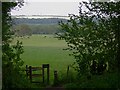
(54, 88)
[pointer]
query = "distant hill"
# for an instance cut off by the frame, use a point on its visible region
(38, 21)
(26, 26)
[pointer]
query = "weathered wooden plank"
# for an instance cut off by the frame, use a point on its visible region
(36, 75)
(36, 68)
(36, 82)
(45, 65)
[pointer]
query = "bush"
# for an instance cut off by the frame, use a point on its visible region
(108, 80)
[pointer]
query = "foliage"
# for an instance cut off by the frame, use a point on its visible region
(91, 36)
(68, 76)
(22, 30)
(45, 29)
(27, 26)
(11, 62)
(29, 29)
(41, 21)
(108, 12)
(108, 80)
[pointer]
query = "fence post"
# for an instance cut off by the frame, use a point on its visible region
(30, 70)
(43, 72)
(45, 66)
(67, 70)
(48, 74)
(27, 70)
(55, 77)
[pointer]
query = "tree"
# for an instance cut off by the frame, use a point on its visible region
(109, 14)
(23, 30)
(11, 61)
(93, 36)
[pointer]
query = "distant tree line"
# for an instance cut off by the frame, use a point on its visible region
(28, 30)
(38, 20)
(45, 29)
(25, 26)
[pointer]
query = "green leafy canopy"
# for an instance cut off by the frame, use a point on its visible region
(92, 36)
(13, 76)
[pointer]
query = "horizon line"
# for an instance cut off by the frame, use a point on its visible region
(40, 16)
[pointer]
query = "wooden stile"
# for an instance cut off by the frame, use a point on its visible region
(30, 69)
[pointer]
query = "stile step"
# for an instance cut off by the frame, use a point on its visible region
(36, 75)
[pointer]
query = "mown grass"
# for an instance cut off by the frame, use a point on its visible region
(54, 56)
(41, 41)
(45, 49)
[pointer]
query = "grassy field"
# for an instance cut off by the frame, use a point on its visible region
(45, 49)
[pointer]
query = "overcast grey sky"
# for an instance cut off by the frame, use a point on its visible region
(48, 8)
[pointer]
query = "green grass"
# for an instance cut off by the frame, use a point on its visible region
(56, 57)
(45, 49)
(42, 41)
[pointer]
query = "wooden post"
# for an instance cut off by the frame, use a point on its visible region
(67, 70)
(45, 66)
(55, 77)
(30, 70)
(27, 70)
(48, 74)
(43, 73)
(68, 76)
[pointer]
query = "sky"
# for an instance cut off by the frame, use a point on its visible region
(36, 7)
